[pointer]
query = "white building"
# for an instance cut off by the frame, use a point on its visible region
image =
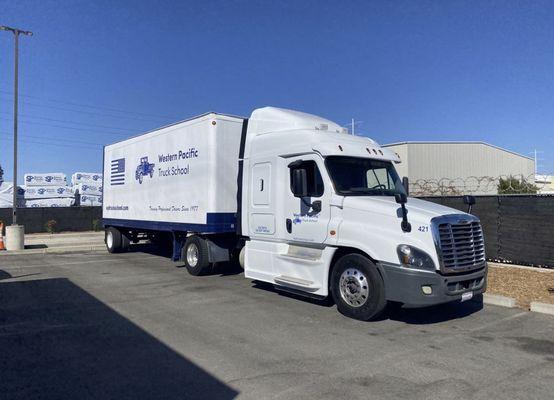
(545, 183)
(455, 168)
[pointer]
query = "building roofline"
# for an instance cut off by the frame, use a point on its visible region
(457, 142)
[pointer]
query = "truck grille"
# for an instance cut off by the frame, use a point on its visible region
(460, 243)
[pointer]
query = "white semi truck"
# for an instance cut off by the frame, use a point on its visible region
(303, 204)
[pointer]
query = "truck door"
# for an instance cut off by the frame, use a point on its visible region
(305, 218)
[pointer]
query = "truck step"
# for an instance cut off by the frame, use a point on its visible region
(296, 282)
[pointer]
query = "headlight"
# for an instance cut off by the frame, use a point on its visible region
(412, 257)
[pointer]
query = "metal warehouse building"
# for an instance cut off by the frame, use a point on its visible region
(454, 168)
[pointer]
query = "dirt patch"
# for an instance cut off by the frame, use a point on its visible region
(524, 284)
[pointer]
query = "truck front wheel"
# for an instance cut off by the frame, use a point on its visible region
(357, 288)
(195, 255)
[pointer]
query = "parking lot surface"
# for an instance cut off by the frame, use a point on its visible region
(137, 326)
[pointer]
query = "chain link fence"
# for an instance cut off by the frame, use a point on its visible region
(483, 185)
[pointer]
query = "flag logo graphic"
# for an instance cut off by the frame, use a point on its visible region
(117, 175)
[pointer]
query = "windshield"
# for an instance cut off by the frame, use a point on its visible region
(353, 176)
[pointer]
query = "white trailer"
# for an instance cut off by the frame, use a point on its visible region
(309, 208)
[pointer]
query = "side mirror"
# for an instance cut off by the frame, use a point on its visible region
(401, 198)
(406, 184)
(299, 183)
(470, 201)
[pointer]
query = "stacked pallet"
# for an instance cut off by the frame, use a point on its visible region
(87, 186)
(47, 190)
(6, 195)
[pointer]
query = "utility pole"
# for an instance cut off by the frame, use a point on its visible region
(353, 127)
(16, 32)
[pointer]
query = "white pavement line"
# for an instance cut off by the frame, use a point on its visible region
(103, 261)
(542, 308)
(497, 300)
(489, 324)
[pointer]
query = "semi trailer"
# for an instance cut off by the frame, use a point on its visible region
(299, 202)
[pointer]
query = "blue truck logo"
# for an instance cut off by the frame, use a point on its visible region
(144, 168)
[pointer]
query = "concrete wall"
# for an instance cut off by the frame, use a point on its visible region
(460, 168)
(75, 219)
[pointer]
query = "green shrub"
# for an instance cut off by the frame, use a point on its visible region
(96, 224)
(50, 226)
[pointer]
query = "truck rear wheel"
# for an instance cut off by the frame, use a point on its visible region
(195, 255)
(357, 288)
(113, 239)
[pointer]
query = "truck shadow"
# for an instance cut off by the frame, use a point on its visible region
(59, 342)
(435, 314)
(395, 312)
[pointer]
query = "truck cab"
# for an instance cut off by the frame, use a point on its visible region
(325, 213)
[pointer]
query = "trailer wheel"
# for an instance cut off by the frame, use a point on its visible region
(357, 288)
(242, 256)
(195, 255)
(113, 239)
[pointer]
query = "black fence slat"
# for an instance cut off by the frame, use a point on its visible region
(518, 229)
(75, 219)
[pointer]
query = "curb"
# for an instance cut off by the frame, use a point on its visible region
(56, 250)
(498, 300)
(542, 308)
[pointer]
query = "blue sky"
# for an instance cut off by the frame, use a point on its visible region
(98, 71)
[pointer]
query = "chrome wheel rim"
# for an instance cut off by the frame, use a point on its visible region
(109, 240)
(354, 287)
(192, 255)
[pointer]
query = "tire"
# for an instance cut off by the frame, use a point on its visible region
(357, 288)
(113, 239)
(242, 256)
(195, 255)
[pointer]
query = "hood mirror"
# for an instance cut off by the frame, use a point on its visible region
(406, 184)
(402, 199)
(470, 201)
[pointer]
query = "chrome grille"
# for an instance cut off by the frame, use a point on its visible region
(460, 243)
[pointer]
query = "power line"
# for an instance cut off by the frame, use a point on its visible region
(72, 122)
(94, 107)
(90, 147)
(83, 112)
(64, 139)
(68, 127)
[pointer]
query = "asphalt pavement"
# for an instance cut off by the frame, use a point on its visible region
(138, 326)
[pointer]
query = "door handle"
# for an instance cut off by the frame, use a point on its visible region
(289, 225)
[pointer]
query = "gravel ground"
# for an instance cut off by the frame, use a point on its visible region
(524, 284)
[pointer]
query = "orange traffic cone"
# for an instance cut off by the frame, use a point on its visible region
(2, 247)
